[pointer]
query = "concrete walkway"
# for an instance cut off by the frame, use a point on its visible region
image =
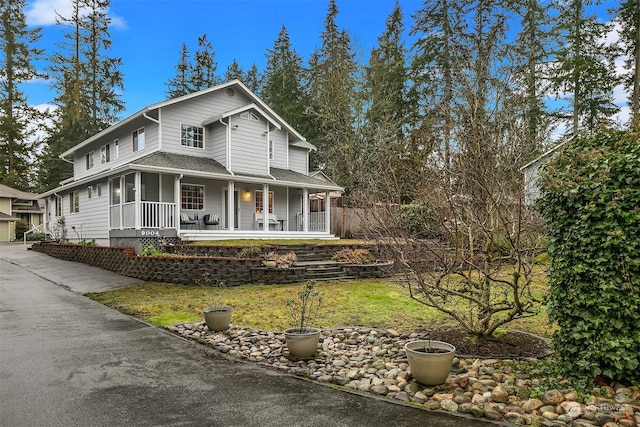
(66, 360)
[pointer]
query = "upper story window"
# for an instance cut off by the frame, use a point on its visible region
(271, 150)
(192, 196)
(138, 139)
(58, 206)
(192, 136)
(105, 154)
(89, 160)
(249, 116)
(116, 150)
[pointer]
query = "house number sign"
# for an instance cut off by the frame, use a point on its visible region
(150, 233)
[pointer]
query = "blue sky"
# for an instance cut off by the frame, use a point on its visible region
(148, 34)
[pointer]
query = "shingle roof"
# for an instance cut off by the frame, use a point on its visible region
(16, 194)
(291, 176)
(182, 162)
(5, 218)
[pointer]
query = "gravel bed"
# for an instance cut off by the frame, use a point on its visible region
(372, 361)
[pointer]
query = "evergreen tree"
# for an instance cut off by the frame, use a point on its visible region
(253, 79)
(436, 71)
(180, 84)
(629, 19)
(17, 118)
(283, 80)
(389, 111)
(234, 72)
(333, 89)
(532, 51)
(86, 80)
(585, 70)
(203, 71)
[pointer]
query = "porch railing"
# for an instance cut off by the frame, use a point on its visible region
(316, 221)
(152, 215)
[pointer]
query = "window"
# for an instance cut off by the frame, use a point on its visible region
(99, 189)
(89, 160)
(249, 116)
(116, 151)
(259, 206)
(271, 149)
(115, 191)
(138, 139)
(58, 207)
(105, 154)
(74, 202)
(192, 197)
(192, 136)
(90, 192)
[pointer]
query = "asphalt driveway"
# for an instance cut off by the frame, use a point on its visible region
(66, 360)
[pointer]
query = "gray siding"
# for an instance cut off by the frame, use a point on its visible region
(193, 112)
(298, 160)
(125, 148)
(92, 220)
(249, 147)
(281, 147)
(217, 134)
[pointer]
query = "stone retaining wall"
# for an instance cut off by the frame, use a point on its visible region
(188, 269)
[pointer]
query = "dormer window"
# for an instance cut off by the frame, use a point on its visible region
(249, 116)
(192, 136)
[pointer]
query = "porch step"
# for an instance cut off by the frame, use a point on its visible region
(323, 270)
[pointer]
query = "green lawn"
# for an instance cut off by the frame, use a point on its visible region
(375, 303)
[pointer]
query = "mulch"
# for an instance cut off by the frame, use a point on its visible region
(507, 345)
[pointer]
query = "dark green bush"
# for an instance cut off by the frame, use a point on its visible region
(21, 228)
(591, 201)
(420, 220)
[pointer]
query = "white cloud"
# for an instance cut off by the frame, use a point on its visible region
(44, 12)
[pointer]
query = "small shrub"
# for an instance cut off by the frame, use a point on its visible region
(286, 260)
(354, 256)
(21, 228)
(304, 309)
(250, 252)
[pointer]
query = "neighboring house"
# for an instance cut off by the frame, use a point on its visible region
(16, 205)
(532, 171)
(221, 153)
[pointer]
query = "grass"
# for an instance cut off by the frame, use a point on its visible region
(375, 303)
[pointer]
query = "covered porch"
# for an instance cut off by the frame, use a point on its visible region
(196, 207)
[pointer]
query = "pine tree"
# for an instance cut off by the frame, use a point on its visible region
(233, 72)
(180, 84)
(585, 70)
(629, 19)
(332, 88)
(283, 77)
(17, 118)
(203, 71)
(253, 79)
(86, 80)
(389, 113)
(436, 71)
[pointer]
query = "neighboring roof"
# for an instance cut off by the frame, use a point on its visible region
(6, 218)
(547, 153)
(291, 176)
(144, 111)
(16, 194)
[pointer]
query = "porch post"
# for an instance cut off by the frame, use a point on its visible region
(137, 194)
(177, 201)
(265, 207)
(230, 207)
(327, 211)
(305, 210)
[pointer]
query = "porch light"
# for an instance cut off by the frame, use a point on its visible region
(246, 196)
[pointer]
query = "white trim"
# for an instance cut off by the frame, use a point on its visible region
(203, 196)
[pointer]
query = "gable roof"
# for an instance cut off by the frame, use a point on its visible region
(264, 108)
(239, 110)
(13, 193)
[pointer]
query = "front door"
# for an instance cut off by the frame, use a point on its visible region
(236, 209)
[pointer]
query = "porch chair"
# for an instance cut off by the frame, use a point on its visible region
(187, 220)
(209, 219)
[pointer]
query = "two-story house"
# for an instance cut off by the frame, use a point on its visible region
(18, 206)
(215, 164)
